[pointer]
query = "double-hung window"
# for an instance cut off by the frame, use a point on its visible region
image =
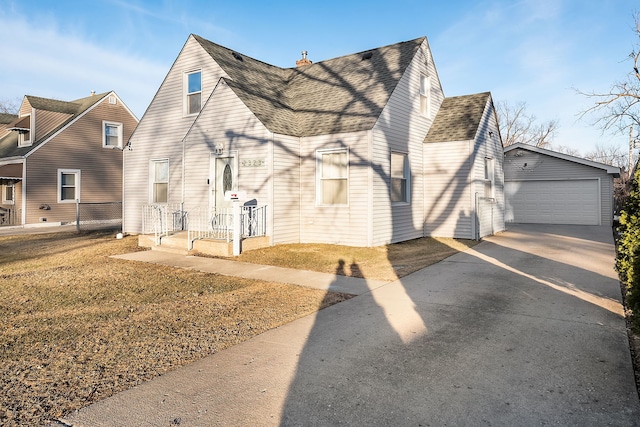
(193, 92)
(333, 177)
(425, 95)
(400, 178)
(489, 173)
(111, 134)
(68, 185)
(159, 172)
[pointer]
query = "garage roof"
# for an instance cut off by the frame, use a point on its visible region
(612, 170)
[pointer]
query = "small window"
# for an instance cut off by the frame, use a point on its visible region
(489, 166)
(68, 185)
(112, 100)
(333, 182)
(425, 95)
(24, 134)
(111, 134)
(159, 181)
(9, 194)
(193, 92)
(399, 178)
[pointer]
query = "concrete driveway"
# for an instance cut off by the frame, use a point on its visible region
(526, 328)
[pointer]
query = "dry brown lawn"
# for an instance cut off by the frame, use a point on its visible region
(388, 262)
(77, 326)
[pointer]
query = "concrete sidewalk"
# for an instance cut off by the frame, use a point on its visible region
(312, 279)
(525, 328)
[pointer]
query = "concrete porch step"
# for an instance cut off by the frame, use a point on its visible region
(178, 243)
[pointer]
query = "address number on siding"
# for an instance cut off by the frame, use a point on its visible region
(253, 163)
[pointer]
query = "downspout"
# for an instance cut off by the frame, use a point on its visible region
(300, 189)
(24, 193)
(182, 197)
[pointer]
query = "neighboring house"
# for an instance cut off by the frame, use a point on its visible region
(55, 153)
(547, 187)
(359, 150)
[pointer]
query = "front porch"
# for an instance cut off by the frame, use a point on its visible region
(208, 232)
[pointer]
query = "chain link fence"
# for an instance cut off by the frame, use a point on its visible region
(98, 215)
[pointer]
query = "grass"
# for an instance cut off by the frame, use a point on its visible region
(77, 326)
(388, 262)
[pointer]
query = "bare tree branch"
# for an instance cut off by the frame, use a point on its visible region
(619, 108)
(9, 106)
(516, 125)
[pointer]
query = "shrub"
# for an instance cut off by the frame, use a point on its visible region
(628, 255)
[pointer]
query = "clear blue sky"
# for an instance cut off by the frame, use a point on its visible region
(533, 51)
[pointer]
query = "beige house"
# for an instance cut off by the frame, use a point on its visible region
(54, 154)
(359, 150)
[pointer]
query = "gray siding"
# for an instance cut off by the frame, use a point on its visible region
(160, 133)
(544, 167)
(79, 147)
(47, 121)
(402, 128)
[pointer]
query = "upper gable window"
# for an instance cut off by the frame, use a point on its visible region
(425, 95)
(111, 134)
(193, 92)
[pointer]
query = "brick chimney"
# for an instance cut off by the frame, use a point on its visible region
(304, 61)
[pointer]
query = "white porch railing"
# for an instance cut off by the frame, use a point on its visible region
(218, 223)
(162, 220)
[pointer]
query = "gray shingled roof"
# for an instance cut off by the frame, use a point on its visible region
(458, 118)
(344, 94)
(9, 144)
(6, 118)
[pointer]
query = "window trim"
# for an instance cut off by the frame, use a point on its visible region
(425, 95)
(186, 93)
(152, 181)
(489, 177)
(77, 186)
(406, 172)
(26, 142)
(117, 125)
(320, 179)
(11, 201)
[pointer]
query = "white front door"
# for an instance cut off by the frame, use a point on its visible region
(223, 171)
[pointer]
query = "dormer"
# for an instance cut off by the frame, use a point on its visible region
(24, 126)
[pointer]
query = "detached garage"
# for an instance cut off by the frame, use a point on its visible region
(546, 187)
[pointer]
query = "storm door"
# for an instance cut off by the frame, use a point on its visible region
(223, 171)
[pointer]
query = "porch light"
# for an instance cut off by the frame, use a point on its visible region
(219, 148)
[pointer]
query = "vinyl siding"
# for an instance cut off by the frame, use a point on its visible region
(226, 120)
(448, 207)
(78, 147)
(544, 167)
(488, 145)
(344, 225)
(286, 189)
(160, 132)
(47, 121)
(402, 128)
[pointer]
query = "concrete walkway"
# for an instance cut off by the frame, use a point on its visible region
(525, 328)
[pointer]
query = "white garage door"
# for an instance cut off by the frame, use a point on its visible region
(553, 202)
